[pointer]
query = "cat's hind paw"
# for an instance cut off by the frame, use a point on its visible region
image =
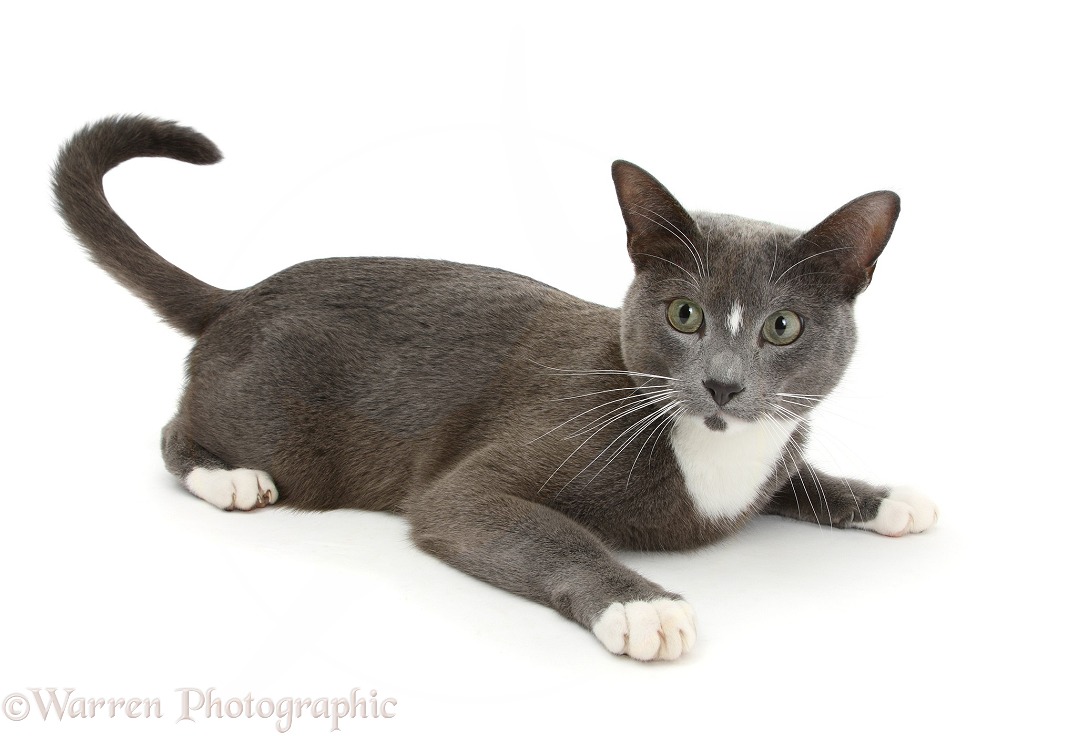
(645, 630)
(240, 489)
(902, 512)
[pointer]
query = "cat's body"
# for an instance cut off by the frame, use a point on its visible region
(522, 431)
(418, 384)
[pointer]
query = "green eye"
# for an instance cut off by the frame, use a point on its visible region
(685, 316)
(783, 327)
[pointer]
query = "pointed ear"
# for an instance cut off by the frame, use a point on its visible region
(657, 225)
(854, 236)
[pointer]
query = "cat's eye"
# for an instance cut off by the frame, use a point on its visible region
(685, 316)
(783, 327)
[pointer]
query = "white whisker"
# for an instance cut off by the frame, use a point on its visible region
(798, 403)
(693, 278)
(809, 274)
(708, 260)
(682, 237)
(788, 413)
(767, 421)
(635, 431)
(797, 469)
(661, 431)
(605, 372)
(678, 409)
(801, 478)
(774, 261)
(811, 471)
(610, 390)
(583, 413)
(679, 281)
(806, 258)
(637, 403)
(819, 485)
(583, 444)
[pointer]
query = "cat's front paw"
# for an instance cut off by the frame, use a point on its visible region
(645, 630)
(240, 489)
(903, 511)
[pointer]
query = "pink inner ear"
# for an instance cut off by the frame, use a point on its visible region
(878, 213)
(854, 236)
(864, 227)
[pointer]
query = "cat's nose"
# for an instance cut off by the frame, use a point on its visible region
(722, 392)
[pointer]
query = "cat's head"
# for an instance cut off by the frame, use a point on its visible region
(743, 319)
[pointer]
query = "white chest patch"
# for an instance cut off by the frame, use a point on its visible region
(725, 470)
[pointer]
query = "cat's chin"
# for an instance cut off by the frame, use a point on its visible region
(721, 422)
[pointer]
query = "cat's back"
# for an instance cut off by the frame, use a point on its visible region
(438, 323)
(394, 292)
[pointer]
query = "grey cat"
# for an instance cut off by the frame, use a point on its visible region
(524, 433)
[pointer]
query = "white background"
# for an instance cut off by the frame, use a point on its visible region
(484, 135)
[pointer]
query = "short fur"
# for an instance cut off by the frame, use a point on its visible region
(519, 429)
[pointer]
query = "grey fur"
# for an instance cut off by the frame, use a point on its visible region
(478, 402)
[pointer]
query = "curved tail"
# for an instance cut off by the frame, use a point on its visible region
(77, 182)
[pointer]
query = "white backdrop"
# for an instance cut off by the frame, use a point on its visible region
(482, 134)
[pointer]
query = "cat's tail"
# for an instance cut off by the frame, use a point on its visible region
(77, 183)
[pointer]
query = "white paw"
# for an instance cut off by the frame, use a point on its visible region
(659, 629)
(241, 489)
(902, 512)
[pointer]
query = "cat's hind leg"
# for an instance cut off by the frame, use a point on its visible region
(209, 478)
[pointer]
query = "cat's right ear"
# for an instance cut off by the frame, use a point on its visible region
(657, 225)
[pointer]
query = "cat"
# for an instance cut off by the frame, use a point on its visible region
(524, 433)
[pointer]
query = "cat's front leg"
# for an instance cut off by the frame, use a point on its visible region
(471, 520)
(814, 496)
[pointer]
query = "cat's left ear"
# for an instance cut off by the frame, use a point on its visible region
(854, 236)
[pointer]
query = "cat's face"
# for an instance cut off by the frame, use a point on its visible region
(743, 319)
